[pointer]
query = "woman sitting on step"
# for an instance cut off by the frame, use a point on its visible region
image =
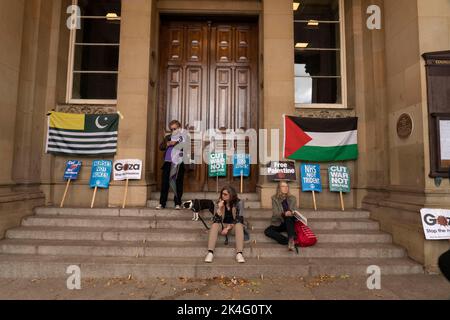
(283, 207)
(229, 215)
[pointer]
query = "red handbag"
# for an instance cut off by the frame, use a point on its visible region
(305, 236)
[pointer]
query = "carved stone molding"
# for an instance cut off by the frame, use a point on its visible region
(87, 109)
(329, 114)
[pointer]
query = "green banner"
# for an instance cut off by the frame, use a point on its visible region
(339, 178)
(217, 165)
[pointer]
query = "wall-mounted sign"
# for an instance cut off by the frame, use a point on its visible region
(404, 126)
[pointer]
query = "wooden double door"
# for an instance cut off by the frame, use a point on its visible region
(208, 79)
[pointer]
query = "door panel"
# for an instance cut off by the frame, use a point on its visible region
(208, 72)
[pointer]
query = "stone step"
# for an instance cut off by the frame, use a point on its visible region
(170, 204)
(170, 213)
(206, 195)
(194, 249)
(55, 233)
(34, 266)
(182, 223)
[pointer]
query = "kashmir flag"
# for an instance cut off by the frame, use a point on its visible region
(314, 139)
(81, 134)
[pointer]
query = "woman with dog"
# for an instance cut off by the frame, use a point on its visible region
(283, 207)
(229, 214)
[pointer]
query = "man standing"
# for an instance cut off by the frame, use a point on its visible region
(173, 167)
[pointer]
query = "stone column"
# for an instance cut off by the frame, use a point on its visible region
(278, 75)
(133, 93)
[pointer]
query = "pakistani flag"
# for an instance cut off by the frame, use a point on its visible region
(83, 135)
(313, 139)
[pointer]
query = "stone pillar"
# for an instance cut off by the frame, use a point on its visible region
(278, 75)
(133, 93)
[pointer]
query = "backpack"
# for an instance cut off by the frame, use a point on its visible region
(305, 237)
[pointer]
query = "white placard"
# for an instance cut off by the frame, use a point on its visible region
(436, 223)
(127, 169)
(444, 133)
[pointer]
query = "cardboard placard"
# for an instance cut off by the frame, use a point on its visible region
(436, 223)
(100, 174)
(72, 170)
(241, 165)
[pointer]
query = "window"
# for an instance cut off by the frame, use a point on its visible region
(94, 53)
(319, 53)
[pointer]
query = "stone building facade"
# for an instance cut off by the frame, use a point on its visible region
(385, 77)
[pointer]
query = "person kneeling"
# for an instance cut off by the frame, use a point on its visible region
(230, 215)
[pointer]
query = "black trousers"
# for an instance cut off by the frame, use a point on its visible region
(444, 264)
(165, 184)
(287, 225)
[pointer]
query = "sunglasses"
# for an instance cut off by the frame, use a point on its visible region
(173, 129)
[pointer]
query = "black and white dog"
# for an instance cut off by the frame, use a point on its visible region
(197, 206)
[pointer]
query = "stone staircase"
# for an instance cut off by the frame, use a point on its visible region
(146, 242)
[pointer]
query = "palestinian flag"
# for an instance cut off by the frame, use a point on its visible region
(313, 139)
(83, 135)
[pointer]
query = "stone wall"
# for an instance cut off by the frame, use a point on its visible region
(410, 29)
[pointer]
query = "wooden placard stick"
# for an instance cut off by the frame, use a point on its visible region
(65, 193)
(314, 201)
(342, 201)
(242, 182)
(125, 195)
(93, 197)
(217, 184)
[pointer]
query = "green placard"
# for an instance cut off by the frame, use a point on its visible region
(217, 165)
(339, 179)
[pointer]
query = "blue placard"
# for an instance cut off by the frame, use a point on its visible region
(241, 165)
(72, 170)
(311, 180)
(100, 174)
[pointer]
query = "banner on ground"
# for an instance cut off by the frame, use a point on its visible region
(217, 165)
(281, 171)
(436, 223)
(72, 170)
(241, 165)
(128, 169)
(322, 140)
(82, 134)
(100, 174)
(339, 179)
(310, 176)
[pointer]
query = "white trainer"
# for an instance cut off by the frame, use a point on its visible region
(209, 257)
(177, 207)
(240, 258)
(159, 207)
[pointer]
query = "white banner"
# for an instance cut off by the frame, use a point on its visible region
(127, 169)
(436, 223)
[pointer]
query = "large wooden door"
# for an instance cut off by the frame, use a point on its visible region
(208, 80)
